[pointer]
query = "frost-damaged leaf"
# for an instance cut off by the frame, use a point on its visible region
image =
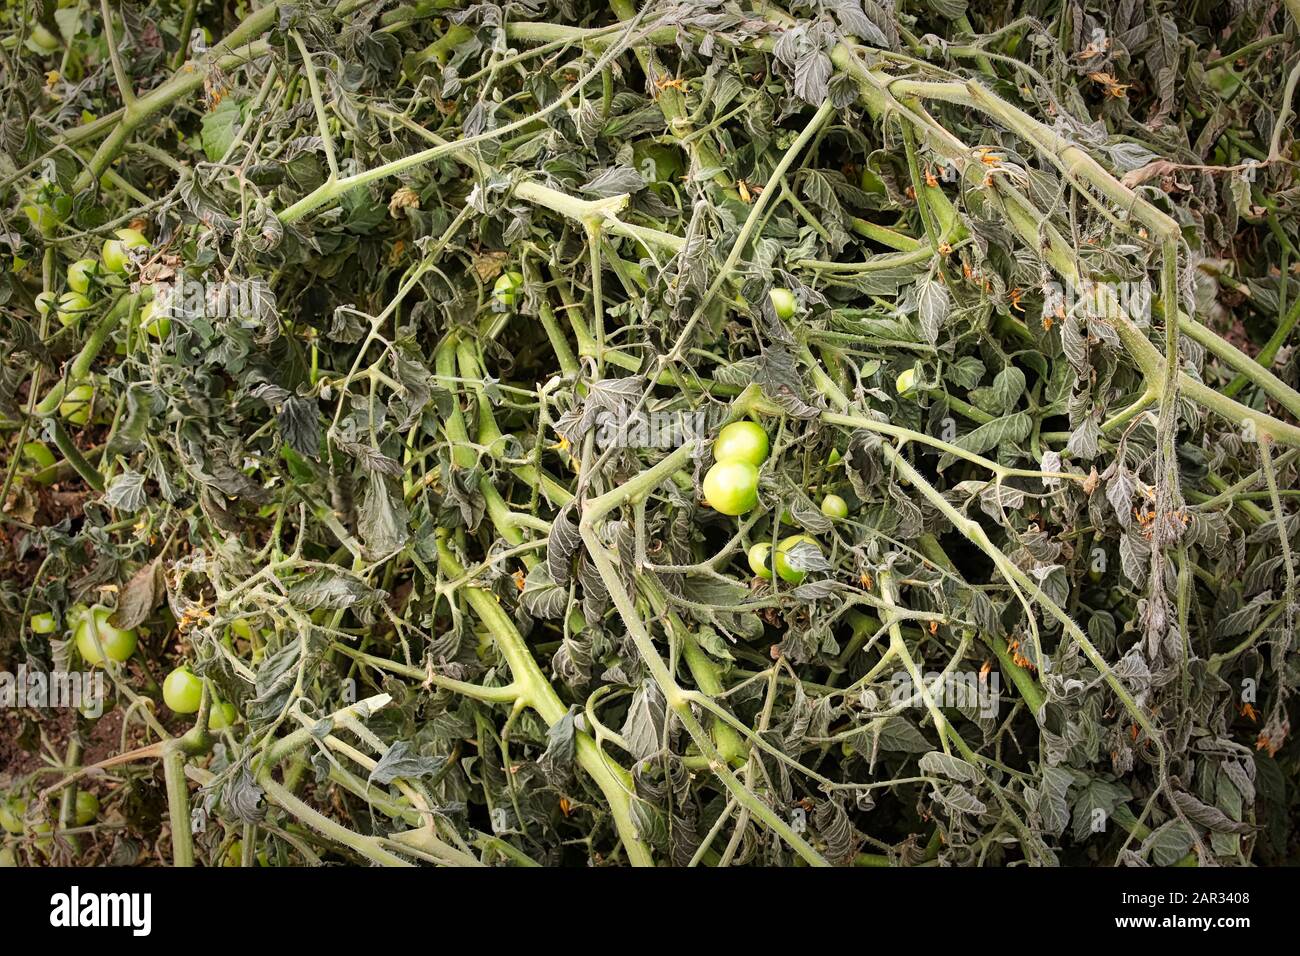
(945, 765)
(141, 595)
(541, 596)
(332, 590)
(126, 492)
(614, 182)
(644, 726)
(933, 304)
(1000, 431)
(382, 519)
(561, 745)
(899, 733)
(402, 761)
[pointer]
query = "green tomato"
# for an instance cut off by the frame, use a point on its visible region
(833, 506)
(870, 181)
(731, 487)
(12, 813)
(783, 549)
(115, 252)
(783, 301)
(72, 305)
(42, 623)
(45, 303)
(906, 381)
(7, 858)
(118, 644)
(87, 807)
(80, 273)
(182, 691)
(506, 286)
(741, 441)
(39, 454)
(159, 326)
(759, 556)
(47, 213)
(42, 41)
(222, 715)
(75, 406)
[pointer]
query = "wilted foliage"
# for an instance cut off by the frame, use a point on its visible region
(369, 363)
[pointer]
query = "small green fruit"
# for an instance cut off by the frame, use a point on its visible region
(116, 252)
(783, 301)
(75, 407)
(80, 274)
(72, 306)
(833, 506)
(182, 691)
(506, 286)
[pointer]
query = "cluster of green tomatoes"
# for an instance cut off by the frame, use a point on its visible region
(98, 639)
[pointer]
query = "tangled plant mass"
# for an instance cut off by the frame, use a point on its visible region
(950, 513)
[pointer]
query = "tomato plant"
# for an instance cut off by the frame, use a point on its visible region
(366, 353)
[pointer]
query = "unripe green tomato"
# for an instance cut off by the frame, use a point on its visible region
(12, 813)
(39, 454)
(76, 614)
(783, 568)
(72, 306)
(87, 807)
(222, 715)
(115, 251)
(45, 303)
(871, 182)
(118, 644)
(7, 858)
(182, 691)
(833, 506)
(42, 623)
(731, 487)
(906, 381)
(75, 407)
(741, 441)
(783, 301)
(80, 273)
(42, 41)
(159, 326)
(47, 215)
(759, 556)
(43, 845)
(506, 286)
